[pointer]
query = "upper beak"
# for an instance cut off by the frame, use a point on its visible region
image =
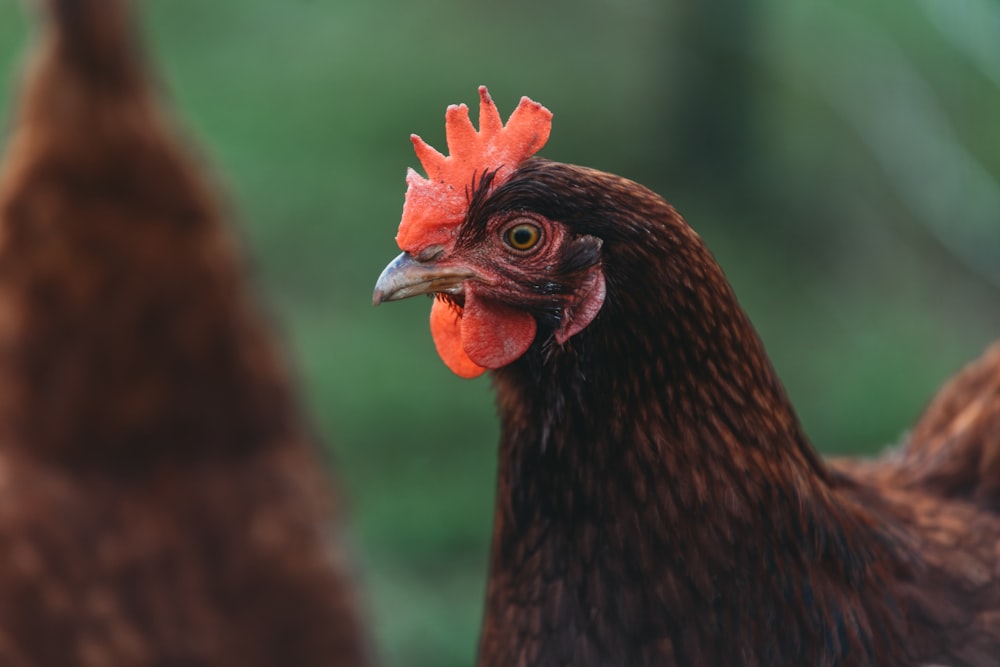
(405, 276)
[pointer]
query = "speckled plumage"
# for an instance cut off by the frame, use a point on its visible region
(161, 502)
(658, 502)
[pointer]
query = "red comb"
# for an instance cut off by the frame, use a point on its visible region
(436, 205)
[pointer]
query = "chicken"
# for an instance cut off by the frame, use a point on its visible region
(658, 502)
(161, 499)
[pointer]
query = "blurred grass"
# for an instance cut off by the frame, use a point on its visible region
(842, 160)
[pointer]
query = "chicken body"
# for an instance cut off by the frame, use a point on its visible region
(160, 500)
(658, 502)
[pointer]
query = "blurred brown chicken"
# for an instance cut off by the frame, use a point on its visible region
(658, 502)
(160, 499)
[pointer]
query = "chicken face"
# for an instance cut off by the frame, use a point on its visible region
(505, 275)
(508, 278)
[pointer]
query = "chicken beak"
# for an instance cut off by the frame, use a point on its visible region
(405, 276)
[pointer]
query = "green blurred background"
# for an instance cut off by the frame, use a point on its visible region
(842, 159)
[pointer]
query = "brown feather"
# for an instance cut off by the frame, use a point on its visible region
(160, 500)
(658, 502)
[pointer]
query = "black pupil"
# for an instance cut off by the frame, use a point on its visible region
(523, 236)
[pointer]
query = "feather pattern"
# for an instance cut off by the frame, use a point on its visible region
(658, 502)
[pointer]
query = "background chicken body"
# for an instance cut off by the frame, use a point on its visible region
(160, 499)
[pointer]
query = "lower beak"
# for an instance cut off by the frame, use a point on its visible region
(405, 277)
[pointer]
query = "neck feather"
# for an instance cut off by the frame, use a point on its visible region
(657, 497)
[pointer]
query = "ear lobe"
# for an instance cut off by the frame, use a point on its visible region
(587, 303)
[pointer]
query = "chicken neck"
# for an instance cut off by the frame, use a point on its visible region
(658, 501)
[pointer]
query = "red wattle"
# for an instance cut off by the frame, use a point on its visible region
(446, 329)
(483, 335)
(494, 335)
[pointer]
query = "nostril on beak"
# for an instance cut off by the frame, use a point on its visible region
(430, 253)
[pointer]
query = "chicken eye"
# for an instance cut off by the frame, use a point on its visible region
(523, 236)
